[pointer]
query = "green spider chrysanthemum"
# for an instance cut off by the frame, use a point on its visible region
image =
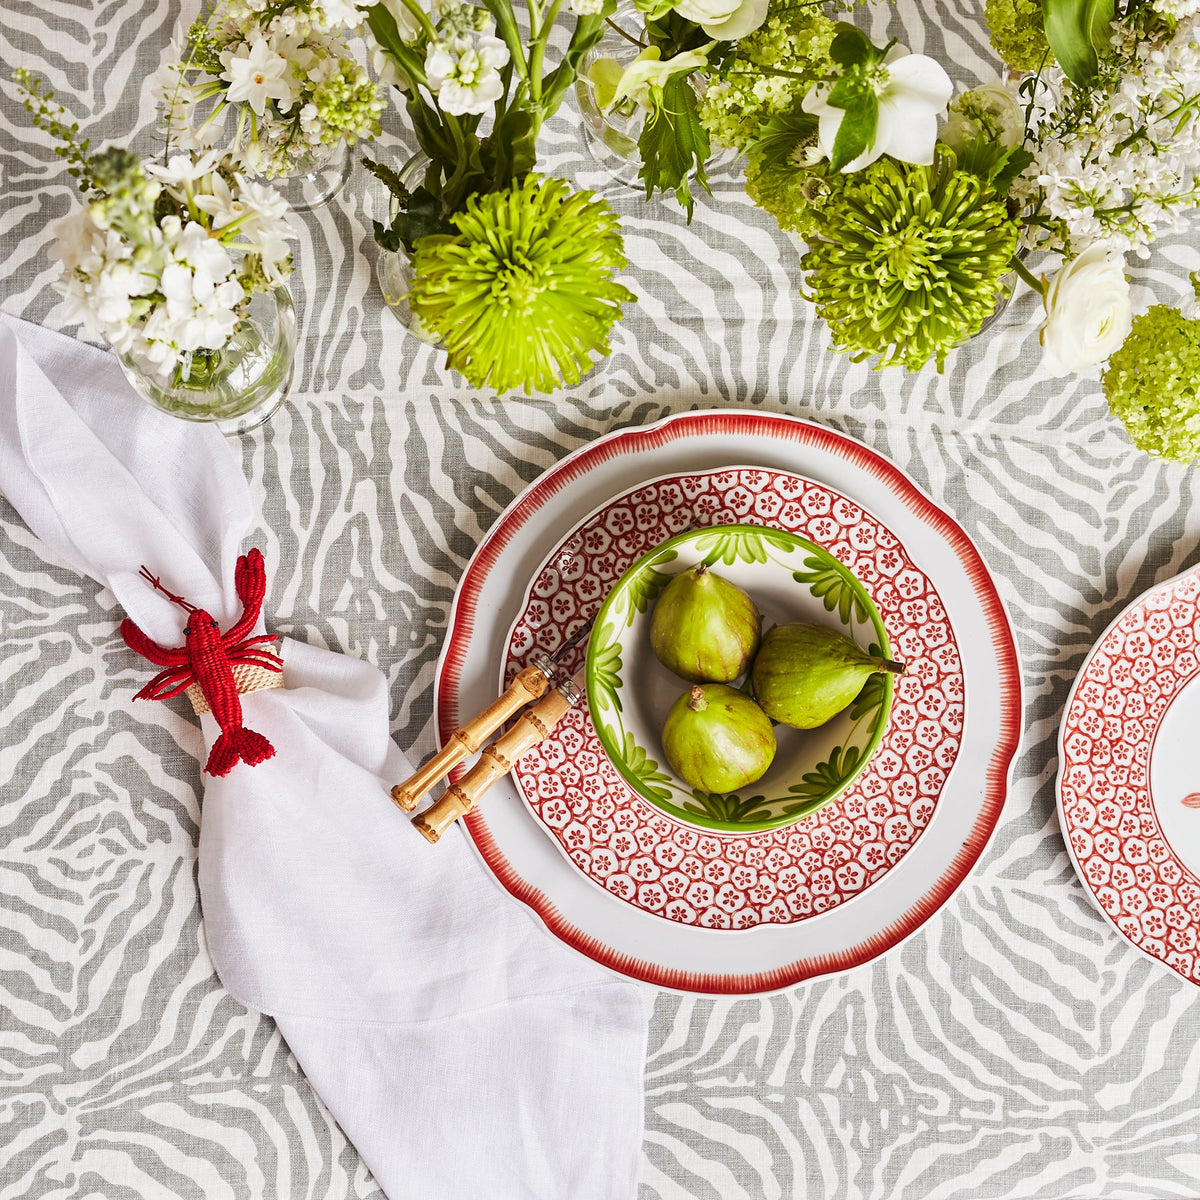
(907, 261)
(523, 293)
(1153, 384)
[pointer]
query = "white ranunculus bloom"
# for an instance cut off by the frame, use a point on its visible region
(913, 92)
(724, 20)
(1088, 313)
(990, 109)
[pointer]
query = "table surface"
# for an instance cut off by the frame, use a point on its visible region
(1015, 1047)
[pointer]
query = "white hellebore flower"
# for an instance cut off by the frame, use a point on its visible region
(725, 20)
(257, 74)
(466, 80)
(913, 91)
(1088, 313)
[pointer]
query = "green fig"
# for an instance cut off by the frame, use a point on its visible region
(704, 628)
(717, 739)
(806, 674)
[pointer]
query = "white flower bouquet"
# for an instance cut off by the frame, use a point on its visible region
(275, 85)
(163, 258)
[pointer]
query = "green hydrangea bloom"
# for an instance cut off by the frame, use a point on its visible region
(1018, 33)
(907, 261)
(786, 189)
(793, 38)
(524, 291)
(1152, 384)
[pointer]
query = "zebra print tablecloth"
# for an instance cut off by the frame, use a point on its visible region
(1015, 1048)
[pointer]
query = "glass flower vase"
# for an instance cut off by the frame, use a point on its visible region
(238, 386)
(610, 136)
(393, 268)
(318, 177)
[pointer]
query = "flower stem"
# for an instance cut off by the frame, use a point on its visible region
(1028, 276)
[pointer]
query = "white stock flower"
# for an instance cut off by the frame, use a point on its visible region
(1088, 312)
(467, 80)
(724, 20)
(256, 74)
(912, 90)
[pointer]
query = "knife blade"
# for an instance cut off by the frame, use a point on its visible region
(530, 684)
(531, 727)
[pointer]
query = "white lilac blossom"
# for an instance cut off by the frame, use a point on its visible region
(1119, 163)
(273, 85)
(912, 91)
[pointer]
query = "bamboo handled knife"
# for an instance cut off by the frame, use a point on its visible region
(530, 684)
(532, 726)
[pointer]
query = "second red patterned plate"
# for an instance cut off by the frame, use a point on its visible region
(738, 881)
(1129, 783)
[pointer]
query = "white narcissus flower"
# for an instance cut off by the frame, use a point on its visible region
(725, 20)
(1088, 312)
(913, 91)
(257, 74)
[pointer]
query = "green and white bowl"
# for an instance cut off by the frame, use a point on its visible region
(630, 692)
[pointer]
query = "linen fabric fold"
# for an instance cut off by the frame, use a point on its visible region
(463, 1051)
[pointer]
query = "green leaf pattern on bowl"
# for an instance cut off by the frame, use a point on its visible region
(729, 808)
(835, 590)
(645, 769)
(607, 669)
(733, 546)
(644, 590)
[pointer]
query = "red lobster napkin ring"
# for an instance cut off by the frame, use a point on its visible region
(215, 663)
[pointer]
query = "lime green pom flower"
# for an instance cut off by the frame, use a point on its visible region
(794, 38)
(524, 291)
(1018, 33)
(1152, 384)
(907, 261)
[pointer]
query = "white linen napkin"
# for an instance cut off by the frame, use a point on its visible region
(464, 1052)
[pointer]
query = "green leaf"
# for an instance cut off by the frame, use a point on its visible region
(1078, 30)
(606, 673)
(834, 589)
(871, 698)
(850, 47)
(856, 133)
(674, 144)
(418, 216)
(779, 138)
(992, 161)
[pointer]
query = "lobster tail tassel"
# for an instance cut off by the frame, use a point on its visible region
(234, 744)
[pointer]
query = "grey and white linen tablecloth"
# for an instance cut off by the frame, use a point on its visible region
(1015, 1047)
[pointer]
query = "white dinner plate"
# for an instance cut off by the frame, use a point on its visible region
(767, 957)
